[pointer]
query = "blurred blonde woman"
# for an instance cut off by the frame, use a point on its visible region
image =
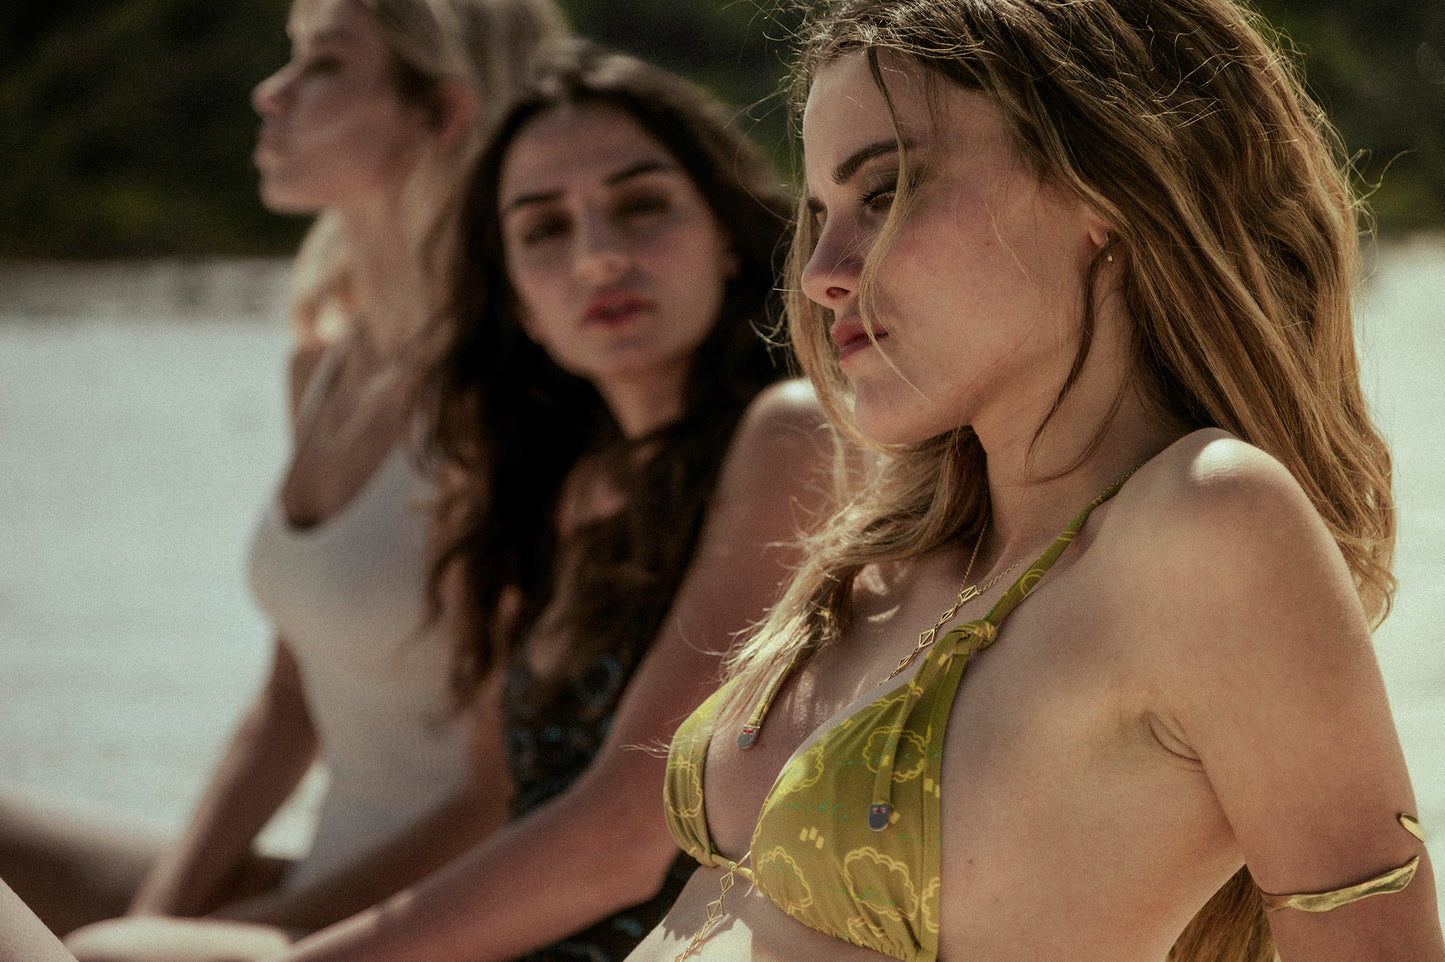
(371, 126)
(1087, 675)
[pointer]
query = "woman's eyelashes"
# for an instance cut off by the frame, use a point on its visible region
(628, 212)
(874, 202)
(540, 229)
(642, 206)
(879, 198)
(318, 55)
(307, 63)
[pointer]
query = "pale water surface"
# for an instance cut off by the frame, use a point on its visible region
(142, 426)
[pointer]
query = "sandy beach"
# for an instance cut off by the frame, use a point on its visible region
(141, 427)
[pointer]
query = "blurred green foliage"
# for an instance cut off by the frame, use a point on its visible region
(1378, 68)
(126, 129)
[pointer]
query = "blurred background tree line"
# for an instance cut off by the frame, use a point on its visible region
(126, 128)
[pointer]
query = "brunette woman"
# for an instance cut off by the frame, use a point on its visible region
(635, 503)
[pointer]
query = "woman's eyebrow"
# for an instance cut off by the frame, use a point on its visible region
(639, 169)
(854, 161)
(528, 200)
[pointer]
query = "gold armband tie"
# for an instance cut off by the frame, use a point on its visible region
(1386, 883)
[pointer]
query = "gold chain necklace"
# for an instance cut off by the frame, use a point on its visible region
(966, 593)
(714, 908)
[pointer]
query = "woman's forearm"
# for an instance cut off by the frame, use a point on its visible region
(592, 852)
(265, 760)
(477, 809)
(604, 845)
(429, 845)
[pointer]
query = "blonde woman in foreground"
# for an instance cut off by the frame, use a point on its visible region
(1087, 674)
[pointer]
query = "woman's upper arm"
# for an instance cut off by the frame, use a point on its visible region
(488, 780)
(1273, 684)
(304, 361)
(775, 484)
(284, 685)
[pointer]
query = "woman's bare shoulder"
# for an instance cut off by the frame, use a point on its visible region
(1233, 576)
(783, 433)
(1210, 492)
(786, 436)
(1221, 558)
(780, 475)
(783, 410)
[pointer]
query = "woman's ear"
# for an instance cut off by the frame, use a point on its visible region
(454, 108)
(1100, 232)
(1099, 228)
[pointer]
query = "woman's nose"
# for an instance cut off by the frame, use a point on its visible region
(833, 271)
(267, 96)
(602, 254)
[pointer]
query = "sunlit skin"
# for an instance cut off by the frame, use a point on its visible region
(616, 258)
(975, 295)
(335, 132)
(1190, 687)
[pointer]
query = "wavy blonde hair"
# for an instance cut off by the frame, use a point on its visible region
(488, 46)
(1184, 125)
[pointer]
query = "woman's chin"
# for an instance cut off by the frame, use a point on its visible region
(279, 200)
(890, 426)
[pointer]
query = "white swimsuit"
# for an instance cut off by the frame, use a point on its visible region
(349, 598)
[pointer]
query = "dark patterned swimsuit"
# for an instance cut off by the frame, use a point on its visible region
(552, 736)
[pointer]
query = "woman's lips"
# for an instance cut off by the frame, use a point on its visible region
(612, 308)
(851, 336)
(269, 144)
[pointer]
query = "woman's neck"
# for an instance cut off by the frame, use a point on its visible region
(641, 405)
(1034, 493)
(386, 281)
(1040, 477)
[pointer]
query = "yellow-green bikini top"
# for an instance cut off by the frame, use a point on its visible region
(848, 838)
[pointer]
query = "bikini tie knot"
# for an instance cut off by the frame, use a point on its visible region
(971, 637)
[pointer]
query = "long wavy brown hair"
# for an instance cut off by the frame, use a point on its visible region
(514, 425)
(1187, 128)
